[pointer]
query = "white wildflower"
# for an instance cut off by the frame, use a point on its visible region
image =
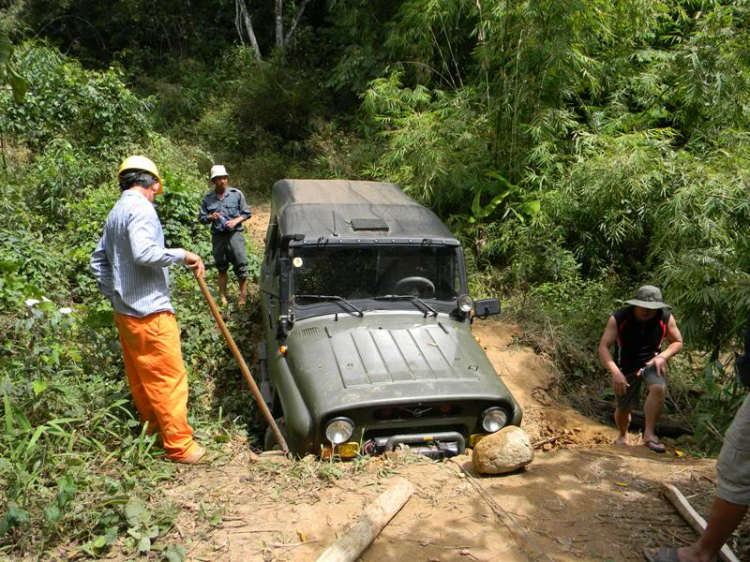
(66, 310)
(45, 299)
(31, 302)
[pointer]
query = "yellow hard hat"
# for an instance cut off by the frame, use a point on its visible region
(141, 163)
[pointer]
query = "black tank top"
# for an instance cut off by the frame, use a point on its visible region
(638, 342)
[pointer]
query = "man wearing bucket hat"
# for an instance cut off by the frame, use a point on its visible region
(637, 332)
(225, 209)
(130, 265)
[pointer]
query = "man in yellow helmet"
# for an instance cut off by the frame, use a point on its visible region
(130, 265)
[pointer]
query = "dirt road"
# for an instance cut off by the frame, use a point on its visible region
(581, 499)
(584, 499)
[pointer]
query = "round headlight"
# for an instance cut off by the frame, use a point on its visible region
(339, 430)
(494, 420)
(465, 304)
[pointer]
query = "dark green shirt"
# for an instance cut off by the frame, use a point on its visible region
(231, 206)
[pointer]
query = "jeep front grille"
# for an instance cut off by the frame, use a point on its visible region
(416, 412)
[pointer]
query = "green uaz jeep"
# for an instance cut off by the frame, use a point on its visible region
(368, 345)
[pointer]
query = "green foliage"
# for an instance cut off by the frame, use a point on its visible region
(63, 407)
(437, 142)
(566, 318)
(342, 154)
(140, 33)
(92, 111)
(75, 464)
(276, 102)
(8, 72)
(358, 29)
(578, 148)
(261, 115)
(64, 171)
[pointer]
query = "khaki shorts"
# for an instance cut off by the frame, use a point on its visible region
(733, 466)
(629, 400)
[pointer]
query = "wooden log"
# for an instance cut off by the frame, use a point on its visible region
(668, 426)
(356, 538)
(694, 519)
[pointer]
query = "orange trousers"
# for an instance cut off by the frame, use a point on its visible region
(157, 378)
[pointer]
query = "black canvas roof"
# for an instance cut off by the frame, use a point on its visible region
(351, 209)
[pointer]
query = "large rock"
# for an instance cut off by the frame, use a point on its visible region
(505, 451)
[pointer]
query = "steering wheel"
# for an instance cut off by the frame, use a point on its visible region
(417, 286)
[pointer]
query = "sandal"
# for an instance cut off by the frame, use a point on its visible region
(655, 445)
(664, 554)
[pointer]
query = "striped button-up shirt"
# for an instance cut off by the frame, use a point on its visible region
(130, 262)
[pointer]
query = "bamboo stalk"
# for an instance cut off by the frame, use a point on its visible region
(242, 365)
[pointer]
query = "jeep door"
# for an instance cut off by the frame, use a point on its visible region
(269, 282)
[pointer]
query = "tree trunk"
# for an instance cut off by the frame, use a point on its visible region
(280, 23)
(241, 9)
(295, 22)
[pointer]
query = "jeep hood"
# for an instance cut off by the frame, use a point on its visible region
(388, 358)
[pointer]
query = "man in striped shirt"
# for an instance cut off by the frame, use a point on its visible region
(130, 266)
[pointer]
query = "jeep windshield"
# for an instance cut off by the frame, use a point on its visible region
(376, 272)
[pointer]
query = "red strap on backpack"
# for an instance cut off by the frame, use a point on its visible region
(664, 322)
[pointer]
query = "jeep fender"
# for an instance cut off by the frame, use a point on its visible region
(299, 424)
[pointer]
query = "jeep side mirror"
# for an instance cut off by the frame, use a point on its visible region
(486, 307)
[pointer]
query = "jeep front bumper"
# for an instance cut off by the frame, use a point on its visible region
(432, 445)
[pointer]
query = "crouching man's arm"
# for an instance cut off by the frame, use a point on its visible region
(675, 345)
(609, 338)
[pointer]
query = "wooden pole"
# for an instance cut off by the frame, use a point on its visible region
(697, 522)
(356, 538)
(242, 365)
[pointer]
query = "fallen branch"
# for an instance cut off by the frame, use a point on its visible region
(683, 507)
(545, 441)
(292, 547)
(359, 536)
(243, 531)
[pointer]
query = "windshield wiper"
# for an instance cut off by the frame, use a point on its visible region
(413, 298)
(332, 298)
